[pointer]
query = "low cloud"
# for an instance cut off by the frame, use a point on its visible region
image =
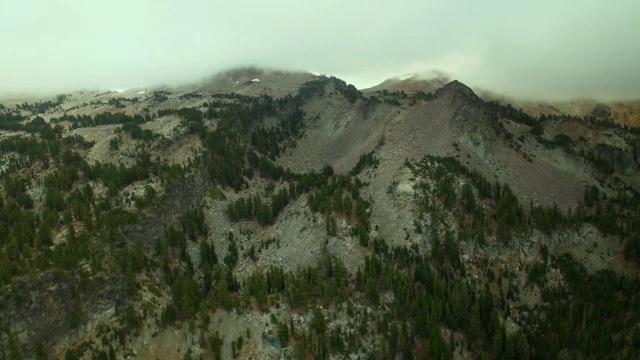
(543, 49)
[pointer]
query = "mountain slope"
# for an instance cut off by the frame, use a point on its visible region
(299, 217)
(455, 123)
(621, 112)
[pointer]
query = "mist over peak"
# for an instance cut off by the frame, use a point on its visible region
(541, 49)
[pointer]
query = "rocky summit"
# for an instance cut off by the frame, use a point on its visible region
(266, 214)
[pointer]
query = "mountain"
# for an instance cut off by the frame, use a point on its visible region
(275, 214)
(411, 83)
(621, 112)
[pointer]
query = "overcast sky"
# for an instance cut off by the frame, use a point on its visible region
(541, 48)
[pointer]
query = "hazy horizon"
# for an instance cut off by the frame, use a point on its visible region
(542, 50)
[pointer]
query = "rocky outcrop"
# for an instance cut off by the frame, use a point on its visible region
(180, 196)
(477, 129)
(623, 161)
(54, 307)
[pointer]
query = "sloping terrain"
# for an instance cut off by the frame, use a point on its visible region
(297, 217)
(621, 112)
(453, 124)
(411, 84)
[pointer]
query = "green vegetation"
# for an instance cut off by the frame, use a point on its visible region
(593, 315)
(41, 107)
(160, 96)
(365, 161)
(554, 328)
(81, 227)
(511, 113)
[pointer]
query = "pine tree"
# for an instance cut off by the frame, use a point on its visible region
(318, 322)
(474, 321)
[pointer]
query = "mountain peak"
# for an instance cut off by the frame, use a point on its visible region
(412, 83)
(458, 91)
(456, 86)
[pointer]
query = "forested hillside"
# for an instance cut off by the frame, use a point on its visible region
(200, 222)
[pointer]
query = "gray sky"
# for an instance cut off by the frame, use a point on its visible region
(541, 48)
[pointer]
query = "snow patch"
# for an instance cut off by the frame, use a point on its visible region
(406, 76)
(141, 92)
(406, 187)
(255, 80)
